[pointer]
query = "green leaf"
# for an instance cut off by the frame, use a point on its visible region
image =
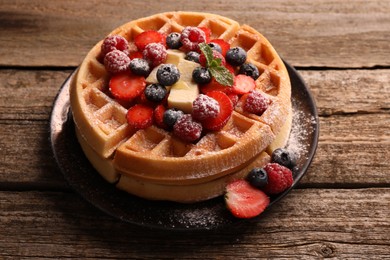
(208, 53)
(222, 75)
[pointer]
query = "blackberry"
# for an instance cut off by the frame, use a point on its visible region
(155, 92)
(250, 70)
(257, 177)
(192, 56)
(201, 75)
(167, 74)
(140, 67)
(284, 157)
(173, 40)
(236, 56)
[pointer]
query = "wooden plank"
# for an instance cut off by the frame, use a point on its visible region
(307, 224)
(305, 33)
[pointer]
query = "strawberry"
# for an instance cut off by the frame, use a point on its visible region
(126, 86)
(207, 32)
(234, 98)
(279, 178)
(245, 201)
(224, 45)
(243, 84)
(213, 85)
(140, 116)
(135, 54)
(158, 116)
(225, 111)
(146, 37)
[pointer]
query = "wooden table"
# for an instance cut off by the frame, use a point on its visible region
(341, 208)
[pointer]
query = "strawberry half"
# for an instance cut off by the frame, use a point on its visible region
(225, 111)
(146, 37)
(213, 85)
(126, 86)
(158, 116)
(140, 116)
(224, 45)
(243, 84)
(245, 201)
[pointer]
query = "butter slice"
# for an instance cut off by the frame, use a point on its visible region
(173, 57)
(182, 95)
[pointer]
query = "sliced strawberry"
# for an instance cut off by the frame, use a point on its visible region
(158, 116)
(245, 201)
(207, 32)
(146, 37)
(135, 54)
(230, 68)
(126, 86)
(224, 45)
(234, 98)
(140, 116)
(225, 111)
(243, 84)
(213, 85)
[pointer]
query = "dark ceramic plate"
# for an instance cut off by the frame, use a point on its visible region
(211, 214)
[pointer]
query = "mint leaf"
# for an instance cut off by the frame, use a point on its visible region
(208, 53)
(222, 75)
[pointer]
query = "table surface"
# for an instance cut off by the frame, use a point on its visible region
(341, 208)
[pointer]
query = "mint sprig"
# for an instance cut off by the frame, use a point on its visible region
(221, 74)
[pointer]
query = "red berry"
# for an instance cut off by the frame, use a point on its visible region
(279, 178)
(114, 42)
(243, 84)
(256, 103)
(155, 53)
(230, 68)
(216, 55)
(204, 107)
(207, 32)
(135, 55)
(125, 86)
(116, 62)
(191, 37)
(226, 110)
(213, 85)
(245, 201)
(234, 98)
(146, 37)
(224, 45)
(187, 129)
(158, 116)
(140, 116)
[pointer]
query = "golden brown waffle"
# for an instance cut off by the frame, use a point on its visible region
(149, 162)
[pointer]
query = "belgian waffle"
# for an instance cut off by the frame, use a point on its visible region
(151, 162)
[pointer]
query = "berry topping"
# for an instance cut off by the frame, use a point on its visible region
(155, 53)
(279, 178)
(191, 37)
(125, 86)
(155, 92)
(173, 40)
(140, 67)
(205, 107)
(216, 55)
(256, 103)
(250, 70)
(135, 55)
(245, 201)
(226, 110)
(140, 116)
(167, 74)
(158, 116)
(114, 42)
(215, 46)
(201, 75)
(171, 116)
(234, 98)
(187, 129)
(243, 84)
(207, 32)
(192, 56)
(225, 46)
(284, 157)
(116, 61)
(236, 56)
(257, 177)
(147, 37)
(214, 85)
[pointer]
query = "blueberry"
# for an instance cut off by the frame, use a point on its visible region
(140, 67)
(257, 177)
(173, 40)
(201, 75)
(284, 157)
(171, 115)
(250, 70)
(155, 92)
(215, 46)
(192, 56)
(236, 56)
(167, 74)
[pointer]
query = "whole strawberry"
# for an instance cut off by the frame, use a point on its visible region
(279, 178)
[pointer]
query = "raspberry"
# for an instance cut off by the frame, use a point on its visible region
(279, 178)
(187, 129)
(205, 107)
(114, 42)
(116, 61)
(191, 37)
(256, 103)
(155, 53)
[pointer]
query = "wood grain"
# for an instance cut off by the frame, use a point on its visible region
(306, 33)
(56, 225)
